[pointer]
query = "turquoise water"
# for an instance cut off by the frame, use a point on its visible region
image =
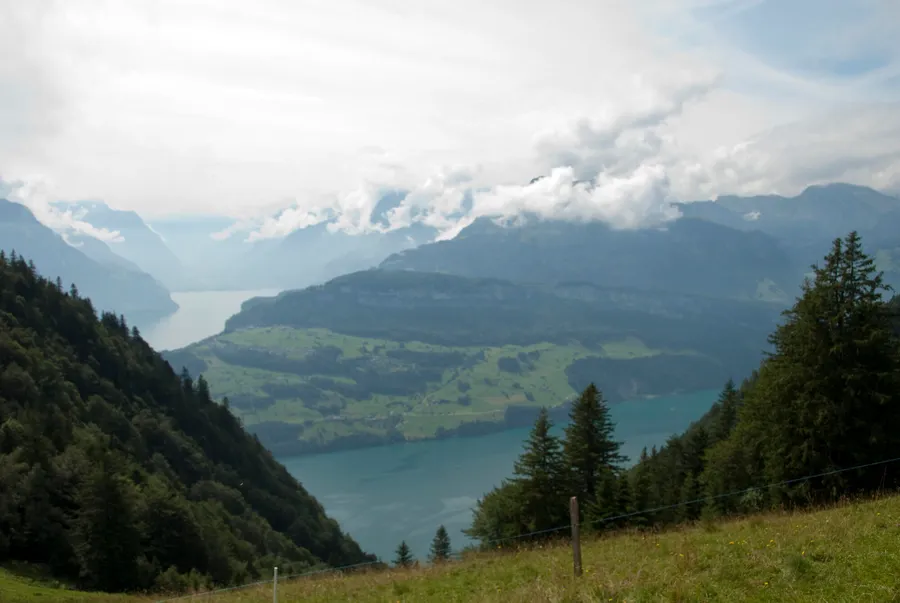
(384, 495)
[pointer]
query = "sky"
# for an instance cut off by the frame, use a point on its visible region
(243, 108)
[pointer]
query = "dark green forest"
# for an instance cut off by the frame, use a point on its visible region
(825, 399)
(118, 474)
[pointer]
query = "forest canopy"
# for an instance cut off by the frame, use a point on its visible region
(118, 474)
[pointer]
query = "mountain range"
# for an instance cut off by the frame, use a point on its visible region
(390, 335)
(112, 282)
(777, 239)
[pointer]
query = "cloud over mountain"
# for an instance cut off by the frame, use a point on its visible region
(622, 106)
(63, 220)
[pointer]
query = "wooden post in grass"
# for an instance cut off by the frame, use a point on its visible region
(275, 586)
(576, 537)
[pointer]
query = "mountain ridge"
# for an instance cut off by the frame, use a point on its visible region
(112, 285)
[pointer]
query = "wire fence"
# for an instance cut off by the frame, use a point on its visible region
(459, 555)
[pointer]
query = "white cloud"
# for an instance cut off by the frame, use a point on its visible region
(224, 106)
(65, 221)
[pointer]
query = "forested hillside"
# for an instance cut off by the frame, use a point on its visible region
(824, 401)
(118, 474)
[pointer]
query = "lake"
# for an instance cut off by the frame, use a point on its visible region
(200, 314)
(384, 495)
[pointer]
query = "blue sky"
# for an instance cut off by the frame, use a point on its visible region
(224, 106)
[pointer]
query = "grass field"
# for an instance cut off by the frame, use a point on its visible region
(462, 384)
(846, 553)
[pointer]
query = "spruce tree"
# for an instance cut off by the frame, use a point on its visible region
(440, 546)
(540, 473)
(404, 556)
(107, 537)
(640, 488)
(727, 417)
(589, 451)
(826, 397)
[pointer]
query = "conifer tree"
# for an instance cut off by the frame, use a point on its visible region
(590, 453)
(440, 546)
(404, 556)
(540, 473)
(640, 488)
(108, 540)
(826, 397)
(727, 418)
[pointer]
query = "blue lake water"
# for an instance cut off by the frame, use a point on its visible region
(384, 495)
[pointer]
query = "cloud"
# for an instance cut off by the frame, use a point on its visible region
(637, 199)
(859, 145)
(168, 106)
(64, 221)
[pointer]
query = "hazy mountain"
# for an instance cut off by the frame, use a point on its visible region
(112, 284)
(140, 244)
(807, 223)
(208, 262)
(687, 256)
(315, 254)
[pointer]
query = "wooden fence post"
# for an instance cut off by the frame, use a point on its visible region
(576, 536)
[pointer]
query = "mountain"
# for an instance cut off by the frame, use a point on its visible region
(208, 262)
(807, 223)
(139, 245)
(690, 256)
(306, 256)
(315, 254)
(117, 474)
(111, 284)
(380, 356)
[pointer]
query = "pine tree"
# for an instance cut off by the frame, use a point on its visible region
(404, 557)
(440, 546)
(589, 451)
(540, 473)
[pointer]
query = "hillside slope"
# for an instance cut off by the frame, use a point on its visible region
(845, 554)
(111, 286)
(379, 356)
(115, 473)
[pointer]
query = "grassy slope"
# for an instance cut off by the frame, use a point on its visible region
(491, 390)
(848, 553)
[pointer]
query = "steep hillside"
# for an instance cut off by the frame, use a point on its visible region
(139, 244)
(689, 256)
(116, 474)
(379, 356)
(111, 285)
